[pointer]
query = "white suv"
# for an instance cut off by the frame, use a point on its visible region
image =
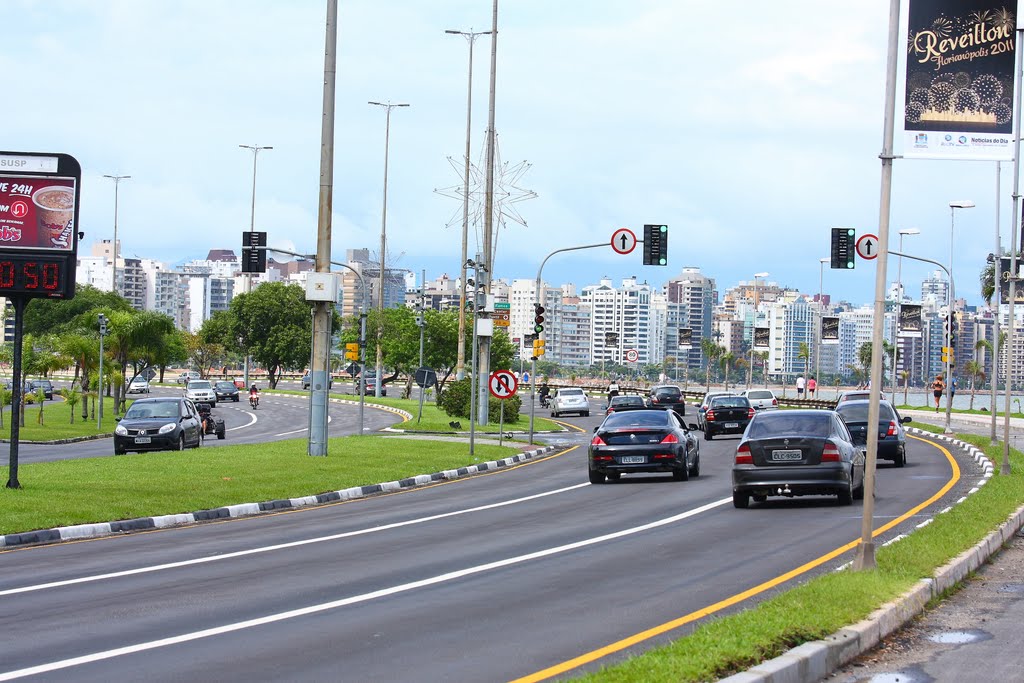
(761, 399)
(201, 391)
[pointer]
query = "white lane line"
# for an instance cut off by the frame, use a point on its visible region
(282, 546)
(250, 423)
(299, 431)
(355, 599)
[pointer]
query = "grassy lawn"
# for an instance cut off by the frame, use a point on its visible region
(141, 485)
(830, 602)
(56, 423)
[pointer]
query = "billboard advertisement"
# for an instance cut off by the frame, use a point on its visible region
(910, 320)
(830, 329)
(37, 213)
(762, 337)
(685, 337)
(959, 79)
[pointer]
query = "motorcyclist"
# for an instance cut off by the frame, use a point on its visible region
(254, 395)
(544, 393)
(613, 390)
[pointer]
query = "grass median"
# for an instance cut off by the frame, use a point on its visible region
(828, 603)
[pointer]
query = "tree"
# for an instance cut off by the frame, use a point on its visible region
(202, 354)
(805, 354)
(726, 358)
(274, 324)
(974, 370)
(56, 316)
(132, 335)
(711, 351)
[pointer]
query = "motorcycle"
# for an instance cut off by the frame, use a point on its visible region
(254, 401)
(545, 400)
(212, 424)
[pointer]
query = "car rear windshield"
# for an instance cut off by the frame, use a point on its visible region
(671, 392)
(782, 422)
(636, 418)
(730, 402)
(759, 394)
(858, 412)
(570, 392)
(627, 401)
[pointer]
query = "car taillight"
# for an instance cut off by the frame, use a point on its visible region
(597, 441)
(743, 456)
(709, 416)
(775, 402)
(892, 429)
(830, 453)
(671, 438)
(750, 413)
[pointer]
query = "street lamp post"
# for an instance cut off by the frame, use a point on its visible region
(117, 181)
(899, 305)
(247, 277)
(460, 367)
(753, 328)
(953, 206)
(388, 106)
(821, 314)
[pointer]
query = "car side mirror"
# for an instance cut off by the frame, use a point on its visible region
(692, 427)
(596, 428)
(906, 419)
(117, 419)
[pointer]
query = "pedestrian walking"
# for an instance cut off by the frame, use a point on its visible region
(800, 386)
(812, 386)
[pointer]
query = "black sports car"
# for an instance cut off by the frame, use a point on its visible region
(892, 439)
(797, 453)
(643, 441)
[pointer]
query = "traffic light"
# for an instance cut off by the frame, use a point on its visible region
(538, 318)
(538, 348)
(254, 260)
(843, 242)
(103, 324)
(655, 245)
(947, 354)
(352, 351)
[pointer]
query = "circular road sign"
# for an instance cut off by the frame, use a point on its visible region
(632, 355)
(502, 384)
(867, 246)
(623, 241)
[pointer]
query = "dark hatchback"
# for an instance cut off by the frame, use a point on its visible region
(797, 453)
(892, 438)
(667, 397)
(43, 385)
(626, 403)
(226, 391)
(158, 424)
(643, 441)
(727, 415)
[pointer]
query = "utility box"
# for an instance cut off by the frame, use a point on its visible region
(323, 287)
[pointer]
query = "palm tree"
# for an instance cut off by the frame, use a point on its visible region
(805, 353)
(974, 370)
(726, 358)
(711, 351)
(905, 376)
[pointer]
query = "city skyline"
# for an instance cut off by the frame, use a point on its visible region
(749, 161)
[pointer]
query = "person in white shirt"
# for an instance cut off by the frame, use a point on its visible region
(800, 386)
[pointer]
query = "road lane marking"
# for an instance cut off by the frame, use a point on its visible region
(654, 631)
(284, 546)
(250, 423)
(298, 431)
(355, 599)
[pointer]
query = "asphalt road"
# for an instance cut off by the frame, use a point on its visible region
(525, 572)
(278, 417)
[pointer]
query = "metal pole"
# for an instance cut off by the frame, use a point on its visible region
(117, 181)
(383, 243)
(460, 366)
(899, 307)
(489, 256)
(99, 383)
(866, 550)
(247, 277)
(475, 368)
(996, 281)
(1014, 231)
(16, 390)
(319, 373)
(422, 324)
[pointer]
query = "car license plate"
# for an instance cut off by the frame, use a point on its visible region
(143, 439)
(731, 425)
(787, 455)
(634, 459)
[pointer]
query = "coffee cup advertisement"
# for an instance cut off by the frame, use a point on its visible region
(37, 213)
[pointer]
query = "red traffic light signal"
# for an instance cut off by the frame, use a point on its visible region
(538, 318)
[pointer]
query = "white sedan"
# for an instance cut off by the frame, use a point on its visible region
(139, 385)
(570, 400)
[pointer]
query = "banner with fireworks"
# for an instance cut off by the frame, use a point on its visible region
(959, 80)
(685, 337)
(909, 320)
(762, 337)
(830, 329)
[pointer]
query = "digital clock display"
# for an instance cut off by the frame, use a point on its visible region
(42, 276)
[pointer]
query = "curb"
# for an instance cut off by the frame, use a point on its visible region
(814, 661)
(81, 531)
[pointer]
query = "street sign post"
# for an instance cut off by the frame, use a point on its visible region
(623, 241)
(867, 246)
(632, 355)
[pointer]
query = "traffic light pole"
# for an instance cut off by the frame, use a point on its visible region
(537, 302)
(949, 336)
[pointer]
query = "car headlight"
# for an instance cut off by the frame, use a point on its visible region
(120, 430)
(169, 427)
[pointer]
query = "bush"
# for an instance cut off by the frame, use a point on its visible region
(455, 403)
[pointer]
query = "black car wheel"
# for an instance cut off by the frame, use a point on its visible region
(740, 500)
(845, 496)
(681, 474)
(695, 470)
(221, 432)
(901, 458)
(119, 451)
(614, 476)
(708, 434)
(236, 398)
(181, 443)
(596, 477)
(760, 499)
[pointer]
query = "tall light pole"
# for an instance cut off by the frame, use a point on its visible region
(117, 181)
(899, 306)
(821, 314)
(247, 277)
(388, 106)
(753, 326)
(460, 367)
(953, 206)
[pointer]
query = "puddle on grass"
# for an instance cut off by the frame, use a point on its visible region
(960, 637)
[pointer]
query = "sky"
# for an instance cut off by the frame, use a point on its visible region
(750, 129)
